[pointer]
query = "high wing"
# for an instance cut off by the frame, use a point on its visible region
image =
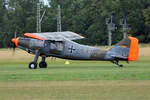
(54, 36)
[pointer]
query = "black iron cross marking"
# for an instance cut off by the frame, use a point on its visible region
(71, 49)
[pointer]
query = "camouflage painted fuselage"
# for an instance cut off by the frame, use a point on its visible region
(68, 49)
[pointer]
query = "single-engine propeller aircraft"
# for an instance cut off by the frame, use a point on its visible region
(61, 45)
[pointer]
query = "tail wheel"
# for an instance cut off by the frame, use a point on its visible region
(32, 65)
(117, 63)
(43, 64)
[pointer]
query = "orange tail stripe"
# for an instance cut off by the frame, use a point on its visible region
(134, 49)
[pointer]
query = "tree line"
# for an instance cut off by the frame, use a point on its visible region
(86, 17)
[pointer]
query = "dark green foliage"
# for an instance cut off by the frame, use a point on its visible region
(86, 17)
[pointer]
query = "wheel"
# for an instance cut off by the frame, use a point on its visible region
(120, 65)
(43, 64)
(32, 65)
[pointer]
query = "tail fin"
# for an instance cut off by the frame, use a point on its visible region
(134, 49)
(127, 49)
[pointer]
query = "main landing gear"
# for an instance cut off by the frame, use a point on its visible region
(117, 63)
(42, 64)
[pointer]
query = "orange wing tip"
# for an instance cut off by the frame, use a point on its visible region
(33, 36)
(134, 49)
(15, 40)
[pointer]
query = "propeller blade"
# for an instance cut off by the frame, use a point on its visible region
(14, 42)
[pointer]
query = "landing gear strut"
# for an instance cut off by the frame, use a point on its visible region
(43, 64)
(117, 63)
(33, 65)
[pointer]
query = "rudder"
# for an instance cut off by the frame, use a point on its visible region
(134, 49)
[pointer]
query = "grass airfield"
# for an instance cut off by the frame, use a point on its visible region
(78, 81)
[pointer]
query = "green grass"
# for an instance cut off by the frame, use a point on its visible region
(17, 70)
(90, 80)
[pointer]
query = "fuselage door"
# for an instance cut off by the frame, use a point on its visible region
(56, 47)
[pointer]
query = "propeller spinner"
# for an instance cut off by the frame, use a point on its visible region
(15, 41)
(15, 44)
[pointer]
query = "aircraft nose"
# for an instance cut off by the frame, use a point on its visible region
(15, 41)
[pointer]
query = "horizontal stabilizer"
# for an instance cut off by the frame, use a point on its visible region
(119, 57)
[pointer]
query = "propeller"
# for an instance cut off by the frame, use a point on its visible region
(14, 42)
(14, 48)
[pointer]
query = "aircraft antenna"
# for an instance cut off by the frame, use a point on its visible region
(111, 27)
(125, 27)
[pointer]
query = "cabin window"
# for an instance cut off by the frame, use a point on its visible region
(56, 47)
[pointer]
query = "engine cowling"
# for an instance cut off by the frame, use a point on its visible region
(29, 43)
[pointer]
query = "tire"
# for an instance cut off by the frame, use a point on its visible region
(43, 64)
(121, 66)
(32, 65)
